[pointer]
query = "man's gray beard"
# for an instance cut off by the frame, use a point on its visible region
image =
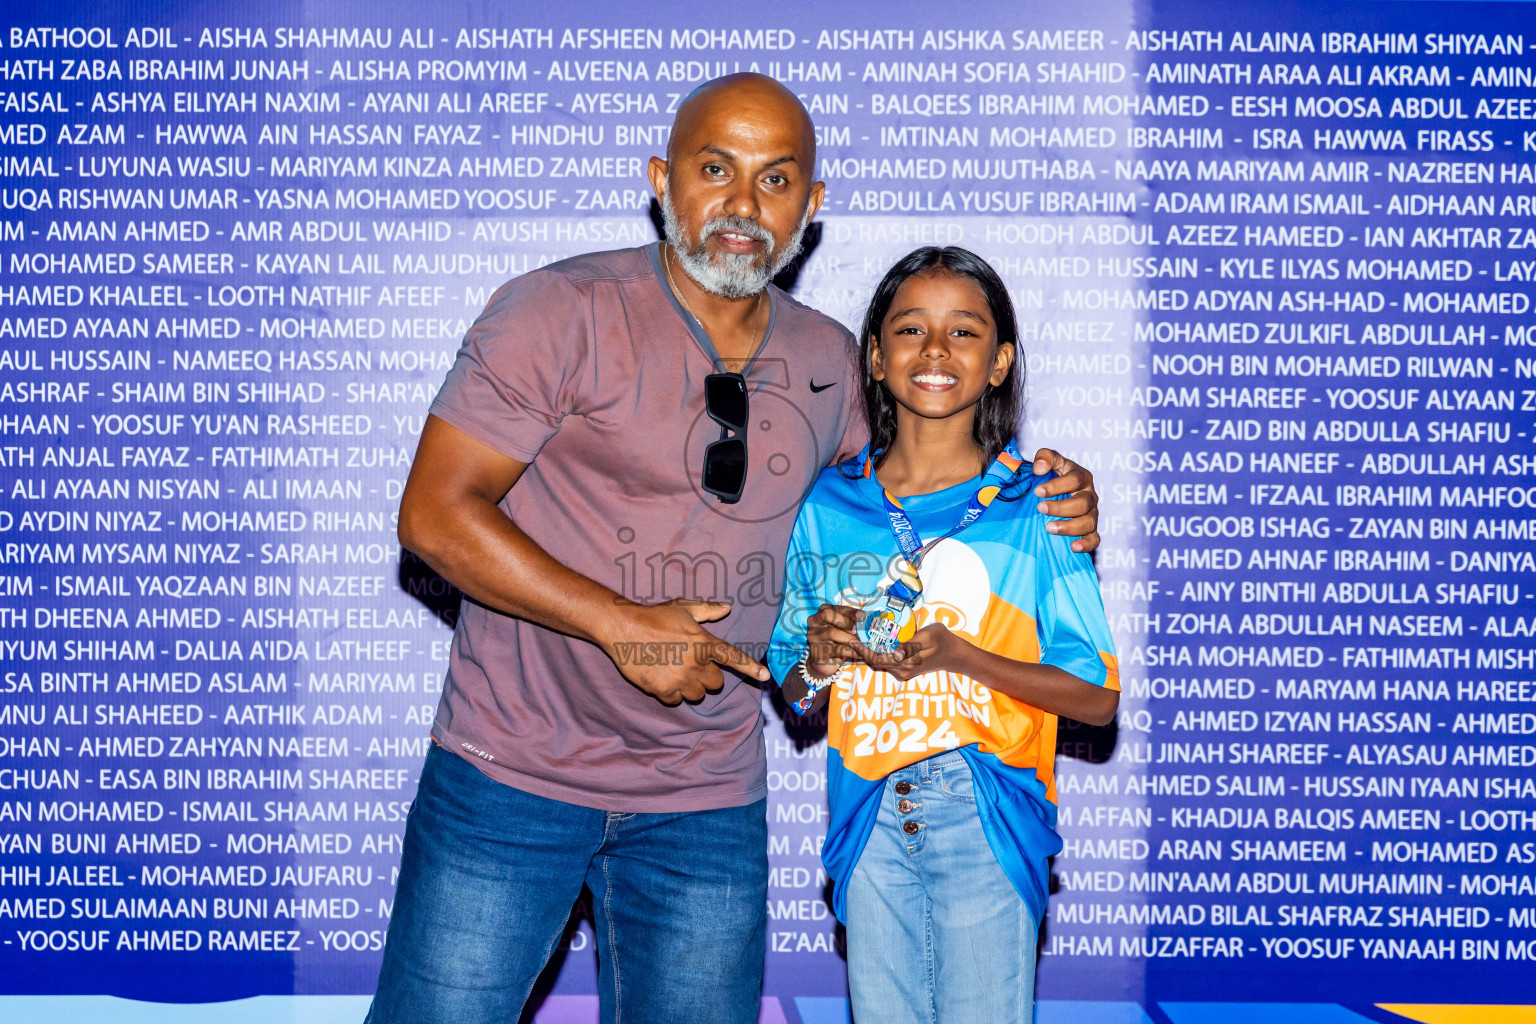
(729, 275)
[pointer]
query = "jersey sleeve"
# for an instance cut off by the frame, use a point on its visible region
(803, 569)
(518, 371)
(1074, 632)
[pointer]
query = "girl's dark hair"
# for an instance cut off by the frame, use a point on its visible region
(997, 414)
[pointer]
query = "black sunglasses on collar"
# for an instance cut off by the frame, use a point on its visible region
(725, 460)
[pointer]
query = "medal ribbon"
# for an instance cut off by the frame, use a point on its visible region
(908, 587)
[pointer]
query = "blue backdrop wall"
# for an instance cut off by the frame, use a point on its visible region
(1274, 267)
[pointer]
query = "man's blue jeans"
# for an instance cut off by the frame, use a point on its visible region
(488, 875)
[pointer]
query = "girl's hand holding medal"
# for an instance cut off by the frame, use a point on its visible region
(932, 649)
(833, 634)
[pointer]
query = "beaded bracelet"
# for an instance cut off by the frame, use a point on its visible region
(813, 686)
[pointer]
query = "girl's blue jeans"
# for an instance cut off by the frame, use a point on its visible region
(936, 932)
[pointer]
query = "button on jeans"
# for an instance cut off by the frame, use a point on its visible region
(936, 932)
(488, 875)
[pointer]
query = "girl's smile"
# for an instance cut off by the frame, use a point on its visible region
(938, 349)
(934, 380)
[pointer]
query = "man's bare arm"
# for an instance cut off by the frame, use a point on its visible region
(449, 517)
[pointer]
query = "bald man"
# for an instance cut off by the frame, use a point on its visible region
(610, 474)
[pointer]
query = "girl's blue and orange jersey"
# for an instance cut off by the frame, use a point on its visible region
(1004, 584)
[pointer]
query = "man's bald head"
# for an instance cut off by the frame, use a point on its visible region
(743, 94)
(739, 183)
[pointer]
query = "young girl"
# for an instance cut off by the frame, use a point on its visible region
(928, 608)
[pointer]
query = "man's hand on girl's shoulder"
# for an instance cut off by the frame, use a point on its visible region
(1079, 508)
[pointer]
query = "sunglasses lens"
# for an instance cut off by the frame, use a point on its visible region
(725, 468)
(725, 398)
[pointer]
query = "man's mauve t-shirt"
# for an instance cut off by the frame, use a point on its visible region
(591, 372)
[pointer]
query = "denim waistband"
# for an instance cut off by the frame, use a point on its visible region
(949, 759)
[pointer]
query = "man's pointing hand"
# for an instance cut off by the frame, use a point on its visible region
(663, 650)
